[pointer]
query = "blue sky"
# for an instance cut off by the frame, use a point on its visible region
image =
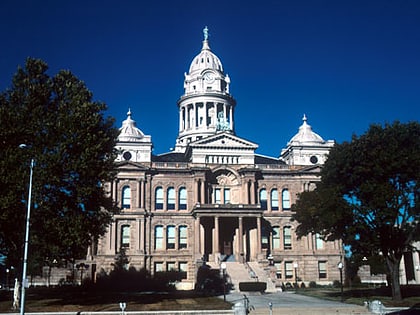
(345, 64)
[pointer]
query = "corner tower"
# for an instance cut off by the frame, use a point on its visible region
(206, 106)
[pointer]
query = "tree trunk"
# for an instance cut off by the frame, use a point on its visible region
(394, 269)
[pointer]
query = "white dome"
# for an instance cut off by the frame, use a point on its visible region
(129, 131)
(305, 135)
(206, 59)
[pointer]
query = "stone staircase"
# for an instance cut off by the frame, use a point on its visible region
(237, 272)
(262, 276)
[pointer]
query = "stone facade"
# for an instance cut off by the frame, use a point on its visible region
(213, 198)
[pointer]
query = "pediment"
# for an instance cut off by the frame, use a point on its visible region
(129, 165)
(224, 140)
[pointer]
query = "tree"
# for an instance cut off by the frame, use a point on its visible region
(73, 148)
(368, 196)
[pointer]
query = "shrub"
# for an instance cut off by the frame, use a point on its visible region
(336, 284)
(312, 284)
(252, 286)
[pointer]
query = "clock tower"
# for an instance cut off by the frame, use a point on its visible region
(206, 106)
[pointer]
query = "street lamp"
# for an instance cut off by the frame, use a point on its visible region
(295, 265)
(25, 254)
(81, 267)
(340, 267)
(223, 268)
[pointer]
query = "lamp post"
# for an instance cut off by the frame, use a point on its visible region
(223, 268)
(340, 267)
(81, 267)
(295, 265)
(25, 253)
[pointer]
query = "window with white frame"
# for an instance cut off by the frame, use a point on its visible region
(182, 198)
(287, 237)
(159, 267)
(285, 199)
(159, 198)
(319, 242)
(170, 237)
(276, 237)
(183, 269)
(322, 269)
(125, 236)
(183, 237)
(171, 266)
(274, 199)
(126, 197)
(170, 199)
(288, 269)
(263, 199)
(278, 269)
(217, 196)
(226, 195)
(159, 237)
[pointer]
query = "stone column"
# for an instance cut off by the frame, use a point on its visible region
(139, 240)
(241, 238)
(258, 235)
(197, 238)
(113, 234)
(216, 250)
(138, 196)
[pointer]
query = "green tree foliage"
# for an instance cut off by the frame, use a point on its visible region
(73, 148)
(369, 195)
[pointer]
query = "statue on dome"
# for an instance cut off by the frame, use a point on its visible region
(206, 33)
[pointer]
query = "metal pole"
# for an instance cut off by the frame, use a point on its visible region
(341, 283)
(25, 254)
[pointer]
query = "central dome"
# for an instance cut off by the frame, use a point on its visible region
(206, 59)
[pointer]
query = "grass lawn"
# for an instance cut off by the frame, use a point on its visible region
(72, 299)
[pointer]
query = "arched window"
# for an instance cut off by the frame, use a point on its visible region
(159, 237)
(263, 199)
(285, 199)
(183, 237)
(170, 199)
(287, 237)
(182, 199)
(159, 198)
(125, 236)
(170, 237)
(274, 199)
(126, 197)
(276, 237)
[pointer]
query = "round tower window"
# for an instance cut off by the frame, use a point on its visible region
(314, 159)
(127, 156)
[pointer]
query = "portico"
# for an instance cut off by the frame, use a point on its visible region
(227, 232)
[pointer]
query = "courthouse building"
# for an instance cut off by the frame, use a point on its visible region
(213, 199)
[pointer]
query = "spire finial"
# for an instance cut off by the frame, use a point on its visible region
(129, 112)
(206, 33)
(304, 118)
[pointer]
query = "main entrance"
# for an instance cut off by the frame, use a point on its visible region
(229, 235)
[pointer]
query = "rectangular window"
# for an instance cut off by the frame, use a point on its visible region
(288, 269)
(274, 200)
(319, 243)
(159, 237)
(183, 268)
(170, 203)
(226, 193)
(183, 199)
(278, 269)
(287, 237)
(159, 198)
(276, 237)
(322, 268)
(125, 236)
(158, 267)
(170, 237)
(217, 196)
(182, 237)
(170, 266)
